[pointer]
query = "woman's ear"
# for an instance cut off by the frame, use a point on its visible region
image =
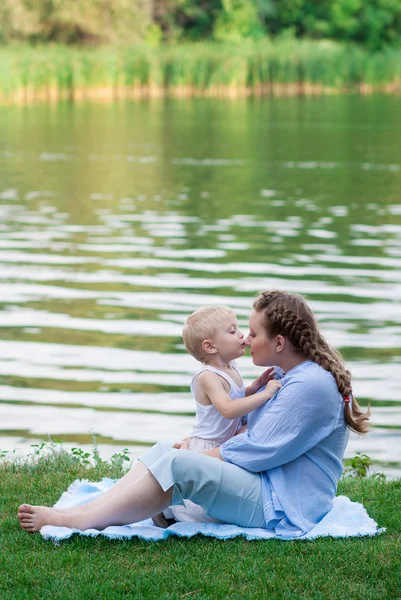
(208, 347)
(280, 343)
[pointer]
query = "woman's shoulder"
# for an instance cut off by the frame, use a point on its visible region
(312, 375)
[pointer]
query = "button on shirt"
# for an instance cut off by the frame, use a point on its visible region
(296, 441)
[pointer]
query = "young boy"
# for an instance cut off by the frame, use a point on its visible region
(212, 336)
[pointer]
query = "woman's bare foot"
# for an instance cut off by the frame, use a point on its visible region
(72, 510)
(33, 518)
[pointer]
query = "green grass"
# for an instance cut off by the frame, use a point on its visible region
(201, 568)
(280, 67)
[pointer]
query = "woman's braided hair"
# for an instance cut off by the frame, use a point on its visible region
(289, 315)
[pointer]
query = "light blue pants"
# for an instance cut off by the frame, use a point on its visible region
(226, 491)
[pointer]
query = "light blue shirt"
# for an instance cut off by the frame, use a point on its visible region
(296, 441)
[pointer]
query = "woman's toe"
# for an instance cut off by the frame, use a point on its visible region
(26, 508)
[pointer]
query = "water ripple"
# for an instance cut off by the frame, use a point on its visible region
(118, 230)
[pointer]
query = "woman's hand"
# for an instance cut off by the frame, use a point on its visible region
(242, 430)
(183, 445)
(214, 453)
(262, 380)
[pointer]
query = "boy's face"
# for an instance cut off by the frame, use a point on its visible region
(229, 340)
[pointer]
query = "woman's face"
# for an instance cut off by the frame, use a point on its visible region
(262, 348)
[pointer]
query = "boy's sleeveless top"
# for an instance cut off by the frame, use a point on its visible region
(209, 423)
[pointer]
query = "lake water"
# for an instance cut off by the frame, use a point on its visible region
(118, 220)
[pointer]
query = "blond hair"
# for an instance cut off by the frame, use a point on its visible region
(289, 315)
(201, 325)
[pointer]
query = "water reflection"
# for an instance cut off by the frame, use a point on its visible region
(119, 220)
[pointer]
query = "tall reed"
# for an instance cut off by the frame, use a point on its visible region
(206, 69)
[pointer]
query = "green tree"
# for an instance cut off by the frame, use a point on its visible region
(374, 23)
(76, 21)
(238, 20)
(188, 19)
(371, 22)
(17, 21)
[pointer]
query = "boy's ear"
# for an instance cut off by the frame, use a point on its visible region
(208, 347)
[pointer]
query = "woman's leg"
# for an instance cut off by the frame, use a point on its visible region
(136, 471)
(33, 516)
(225, 491)
(136, 501)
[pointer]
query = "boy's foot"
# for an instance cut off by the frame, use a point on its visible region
(161, 521)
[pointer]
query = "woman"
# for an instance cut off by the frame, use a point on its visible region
(281, 474)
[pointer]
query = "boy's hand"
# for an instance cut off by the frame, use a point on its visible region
(184, 445)
(261, 380)
(272, 387)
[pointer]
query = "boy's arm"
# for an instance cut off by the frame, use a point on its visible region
(212, 385)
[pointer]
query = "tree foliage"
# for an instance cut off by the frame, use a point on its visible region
(75, 21)
(371, 22)
(188, 19)
(374, 23)
(237, 20)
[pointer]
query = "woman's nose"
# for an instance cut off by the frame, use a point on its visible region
(248, 340)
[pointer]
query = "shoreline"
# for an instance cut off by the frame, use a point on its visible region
(269, 69)
(52, 95)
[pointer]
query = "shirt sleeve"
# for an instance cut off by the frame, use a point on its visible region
(298, 419)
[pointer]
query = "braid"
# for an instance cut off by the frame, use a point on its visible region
(288, 315)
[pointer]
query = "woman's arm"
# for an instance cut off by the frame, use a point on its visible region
(300, 417)
(211, 385)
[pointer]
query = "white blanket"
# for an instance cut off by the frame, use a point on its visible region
(345, 519)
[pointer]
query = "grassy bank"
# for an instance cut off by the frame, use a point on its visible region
(288, 67)
(200, 568)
